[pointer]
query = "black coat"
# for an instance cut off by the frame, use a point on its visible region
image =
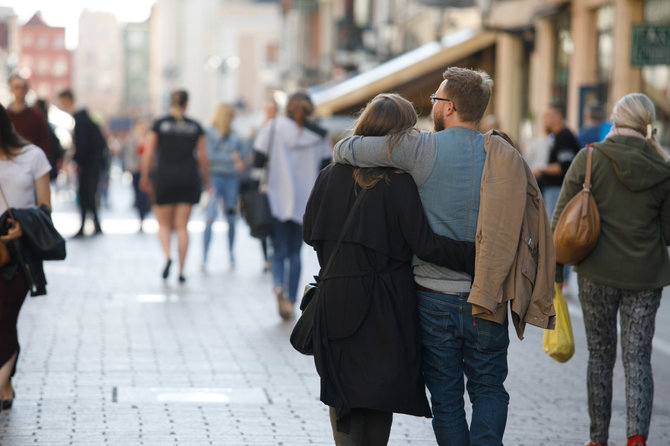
(40, 241)
(367, 345)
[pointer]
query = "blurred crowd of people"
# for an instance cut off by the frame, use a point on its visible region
(383, 308)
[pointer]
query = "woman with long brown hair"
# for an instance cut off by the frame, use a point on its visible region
(296, 149)
(179, 143)
(24, 179)
(367, 334)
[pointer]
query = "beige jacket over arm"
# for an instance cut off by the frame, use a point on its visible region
(515, 259)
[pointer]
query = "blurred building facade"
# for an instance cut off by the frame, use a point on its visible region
(98, 63)
(218, 51)
(538, 51)
(580, 50)
(43, 57)
(136, 55)
(9, 49)
(334, 39)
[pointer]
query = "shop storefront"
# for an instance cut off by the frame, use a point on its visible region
(656, 78)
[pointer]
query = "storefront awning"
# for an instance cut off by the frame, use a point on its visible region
(330, 99)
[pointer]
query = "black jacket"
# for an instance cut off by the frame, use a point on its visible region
(367, 335)
(40, 241)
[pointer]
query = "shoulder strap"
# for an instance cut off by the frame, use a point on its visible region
(587, 176)
(9, 209)
(587, 180)
(347, 224)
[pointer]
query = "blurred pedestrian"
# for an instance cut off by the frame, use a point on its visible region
(226, 163)
(476, 188)
(179, 145)
(297, 149)
(270, 111)
(56, 152)
(561, 153)
(132, 155)
(367, 331)
(90, 154)
(489, 122)
(24, 179)
(629, 266)
(30, 122)
(595, 126)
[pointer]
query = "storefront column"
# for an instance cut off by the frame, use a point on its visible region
(625, 78)
(508, 83)
(583, 66)
(541, 72)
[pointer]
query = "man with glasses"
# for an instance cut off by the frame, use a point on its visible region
(447, 167)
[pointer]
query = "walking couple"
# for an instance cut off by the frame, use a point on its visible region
(387, 321)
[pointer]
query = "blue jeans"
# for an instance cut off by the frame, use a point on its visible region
(226, 187)
(550, 196)
(457, 344)
(286, 242)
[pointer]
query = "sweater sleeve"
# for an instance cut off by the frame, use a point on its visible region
(414, 153)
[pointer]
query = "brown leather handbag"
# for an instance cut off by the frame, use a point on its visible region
(578, 227)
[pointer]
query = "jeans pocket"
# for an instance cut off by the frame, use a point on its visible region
(491, 336)
(437, 326)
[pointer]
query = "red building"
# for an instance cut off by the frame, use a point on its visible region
(43, 57)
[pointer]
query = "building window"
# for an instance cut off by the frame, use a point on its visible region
(28, 40)
(43, 66)
(655, 79)
(59, 67)
(42, 42)
(564, 50)
(271, 53)
(59, 43)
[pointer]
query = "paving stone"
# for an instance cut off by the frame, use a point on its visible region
(110, 321)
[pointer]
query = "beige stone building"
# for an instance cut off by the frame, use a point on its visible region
(538, 52)
(98, 64)
(576, 51)
(219, 51)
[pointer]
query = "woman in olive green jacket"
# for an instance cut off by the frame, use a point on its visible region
(629, 265)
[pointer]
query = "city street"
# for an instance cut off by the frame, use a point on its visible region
(114, 355)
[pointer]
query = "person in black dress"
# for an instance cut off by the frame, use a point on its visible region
(179, 144)
(367, 335)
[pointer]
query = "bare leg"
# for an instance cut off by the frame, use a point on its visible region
(165, 216)
(181, 216)
(5, 372)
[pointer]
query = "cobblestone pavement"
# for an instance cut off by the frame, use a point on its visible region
(116, 356)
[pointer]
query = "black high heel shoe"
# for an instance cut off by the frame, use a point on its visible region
(7, 404)
(166, 270)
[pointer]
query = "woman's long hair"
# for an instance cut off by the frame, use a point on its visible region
(222, 118)
(636, 111)
(299, 107)
(178, 102)
(390, 115)
(10, 141)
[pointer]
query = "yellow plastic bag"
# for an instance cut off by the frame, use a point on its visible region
(559, 342)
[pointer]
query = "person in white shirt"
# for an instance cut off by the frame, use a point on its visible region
(295, 150)
(24, 180)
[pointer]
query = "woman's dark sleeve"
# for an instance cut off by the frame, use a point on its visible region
(310, 209)
(443, 251)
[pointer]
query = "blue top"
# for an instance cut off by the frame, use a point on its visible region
(220, 151)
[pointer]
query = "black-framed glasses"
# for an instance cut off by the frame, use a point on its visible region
(434, 99)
